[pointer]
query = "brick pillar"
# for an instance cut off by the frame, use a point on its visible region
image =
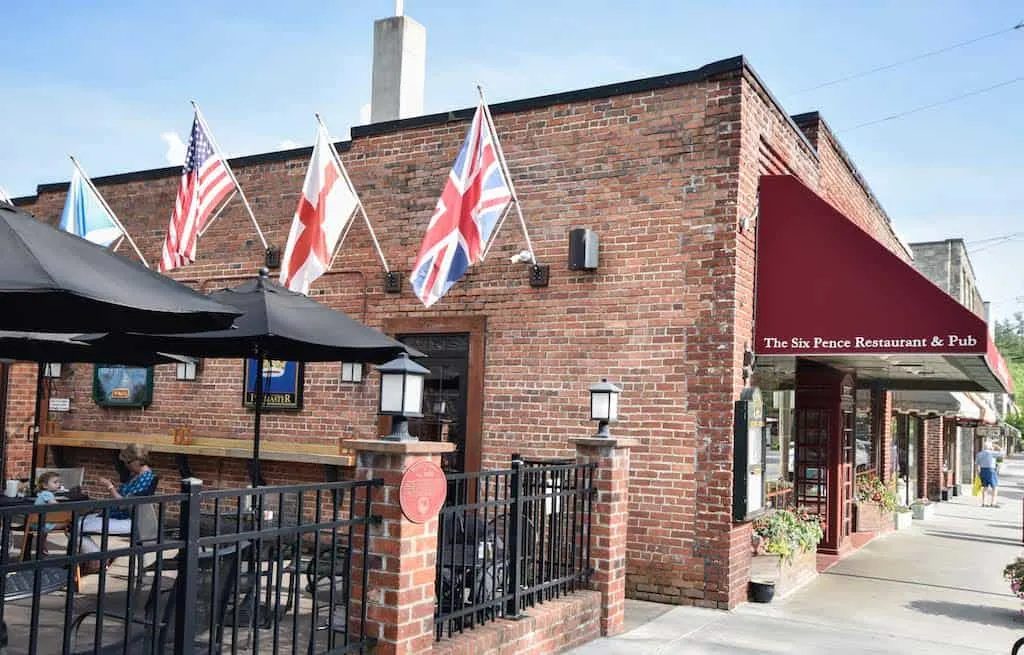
(932, 446)
(609, 521)
(401, 554)
(881, 413)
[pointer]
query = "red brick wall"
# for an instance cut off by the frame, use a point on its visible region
(21, 403)
(932, 451)
(551, 627)
(662, 176)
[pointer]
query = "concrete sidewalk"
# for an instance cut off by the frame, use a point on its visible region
(935, 588)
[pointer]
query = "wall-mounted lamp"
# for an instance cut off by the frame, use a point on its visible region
(352, 372)
(604, 405)
(186, 370)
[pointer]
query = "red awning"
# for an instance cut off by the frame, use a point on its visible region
(827, 290)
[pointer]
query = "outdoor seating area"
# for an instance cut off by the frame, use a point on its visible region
(254, 584)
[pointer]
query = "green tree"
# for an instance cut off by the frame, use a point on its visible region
(1010, 340)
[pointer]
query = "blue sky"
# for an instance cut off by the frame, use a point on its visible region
(110, 81)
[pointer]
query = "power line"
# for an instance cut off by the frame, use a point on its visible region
(1001, 237)
(1007, 239)
(936, 104)
(895, 64)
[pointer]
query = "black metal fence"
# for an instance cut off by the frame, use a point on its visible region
(510, 539)
(265, 570)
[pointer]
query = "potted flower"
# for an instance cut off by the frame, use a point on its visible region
(876, 503)
(923, 509)
(903, 517)
(785, 541)
(1014, 574)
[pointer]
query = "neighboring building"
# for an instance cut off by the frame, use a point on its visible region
(695, 182)
(947, 264)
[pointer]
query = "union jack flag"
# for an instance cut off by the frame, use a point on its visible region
(205, 181)
(474, 199)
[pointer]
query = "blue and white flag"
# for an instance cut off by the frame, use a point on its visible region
(86, 215)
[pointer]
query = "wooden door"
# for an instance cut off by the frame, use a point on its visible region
(847, 473)
(445, 393)
(811, 442)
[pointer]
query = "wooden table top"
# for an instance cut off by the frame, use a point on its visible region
(209, 446)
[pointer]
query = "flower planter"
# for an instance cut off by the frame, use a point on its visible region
(785, 576)
(870, 517)
(923, 511)
(902, 520)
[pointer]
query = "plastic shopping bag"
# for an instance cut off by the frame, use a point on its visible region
(976, 490)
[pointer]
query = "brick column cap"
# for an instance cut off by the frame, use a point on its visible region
(400, 447)
(604, 442)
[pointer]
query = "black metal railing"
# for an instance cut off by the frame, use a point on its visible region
(264, 570)
(510, 539)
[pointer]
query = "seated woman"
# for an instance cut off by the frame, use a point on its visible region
(142, 483)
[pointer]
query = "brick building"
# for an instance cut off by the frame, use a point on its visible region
(670, 172)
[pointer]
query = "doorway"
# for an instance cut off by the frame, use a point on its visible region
(453, 390)
(444, 393)
(908, 431)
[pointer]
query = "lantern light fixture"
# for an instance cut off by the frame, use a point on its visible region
(604, 405)
(401, 395)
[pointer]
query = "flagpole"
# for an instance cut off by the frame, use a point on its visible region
(504, 170)
(220, 209)
(231, 173)
(359, 201)
(110, 211)
(337, 249)
(497, 228)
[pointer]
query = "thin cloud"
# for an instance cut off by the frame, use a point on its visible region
(288, 144)
(175, 154)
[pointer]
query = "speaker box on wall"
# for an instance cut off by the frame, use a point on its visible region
(583, 249)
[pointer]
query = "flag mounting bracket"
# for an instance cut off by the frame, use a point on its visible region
(272, 258)
(392, 282)
(540, 274)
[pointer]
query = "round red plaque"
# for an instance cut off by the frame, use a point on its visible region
(422, 491)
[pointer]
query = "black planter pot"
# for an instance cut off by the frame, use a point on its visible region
(762, 592)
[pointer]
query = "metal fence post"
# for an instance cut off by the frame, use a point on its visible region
(188, 569)
(515, 531)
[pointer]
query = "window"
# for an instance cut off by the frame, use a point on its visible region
(865, 437)
(352, 372)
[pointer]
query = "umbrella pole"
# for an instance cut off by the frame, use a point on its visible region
(256, 420)
(4, 371)
(40, 379)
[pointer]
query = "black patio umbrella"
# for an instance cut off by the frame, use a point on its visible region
(47, 347)
(275, 324)
(54, 281)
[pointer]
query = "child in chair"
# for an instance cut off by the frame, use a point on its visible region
(47, 487)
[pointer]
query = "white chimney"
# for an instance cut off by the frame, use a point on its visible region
(399, 67)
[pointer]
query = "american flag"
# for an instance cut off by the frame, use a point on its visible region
(205, 182)
(471, 204)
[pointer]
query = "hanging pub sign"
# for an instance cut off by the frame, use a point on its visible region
(748, 456)
(282, 384)
(116, 385)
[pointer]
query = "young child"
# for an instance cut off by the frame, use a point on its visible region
(47, 487)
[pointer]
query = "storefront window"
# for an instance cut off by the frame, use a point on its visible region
(866, 441)
(779, 460)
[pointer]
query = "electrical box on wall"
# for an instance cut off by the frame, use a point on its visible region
(582, 250)
(748, 456)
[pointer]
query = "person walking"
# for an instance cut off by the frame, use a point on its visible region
(985, 463)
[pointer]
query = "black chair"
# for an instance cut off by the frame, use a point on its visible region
(150, 631)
